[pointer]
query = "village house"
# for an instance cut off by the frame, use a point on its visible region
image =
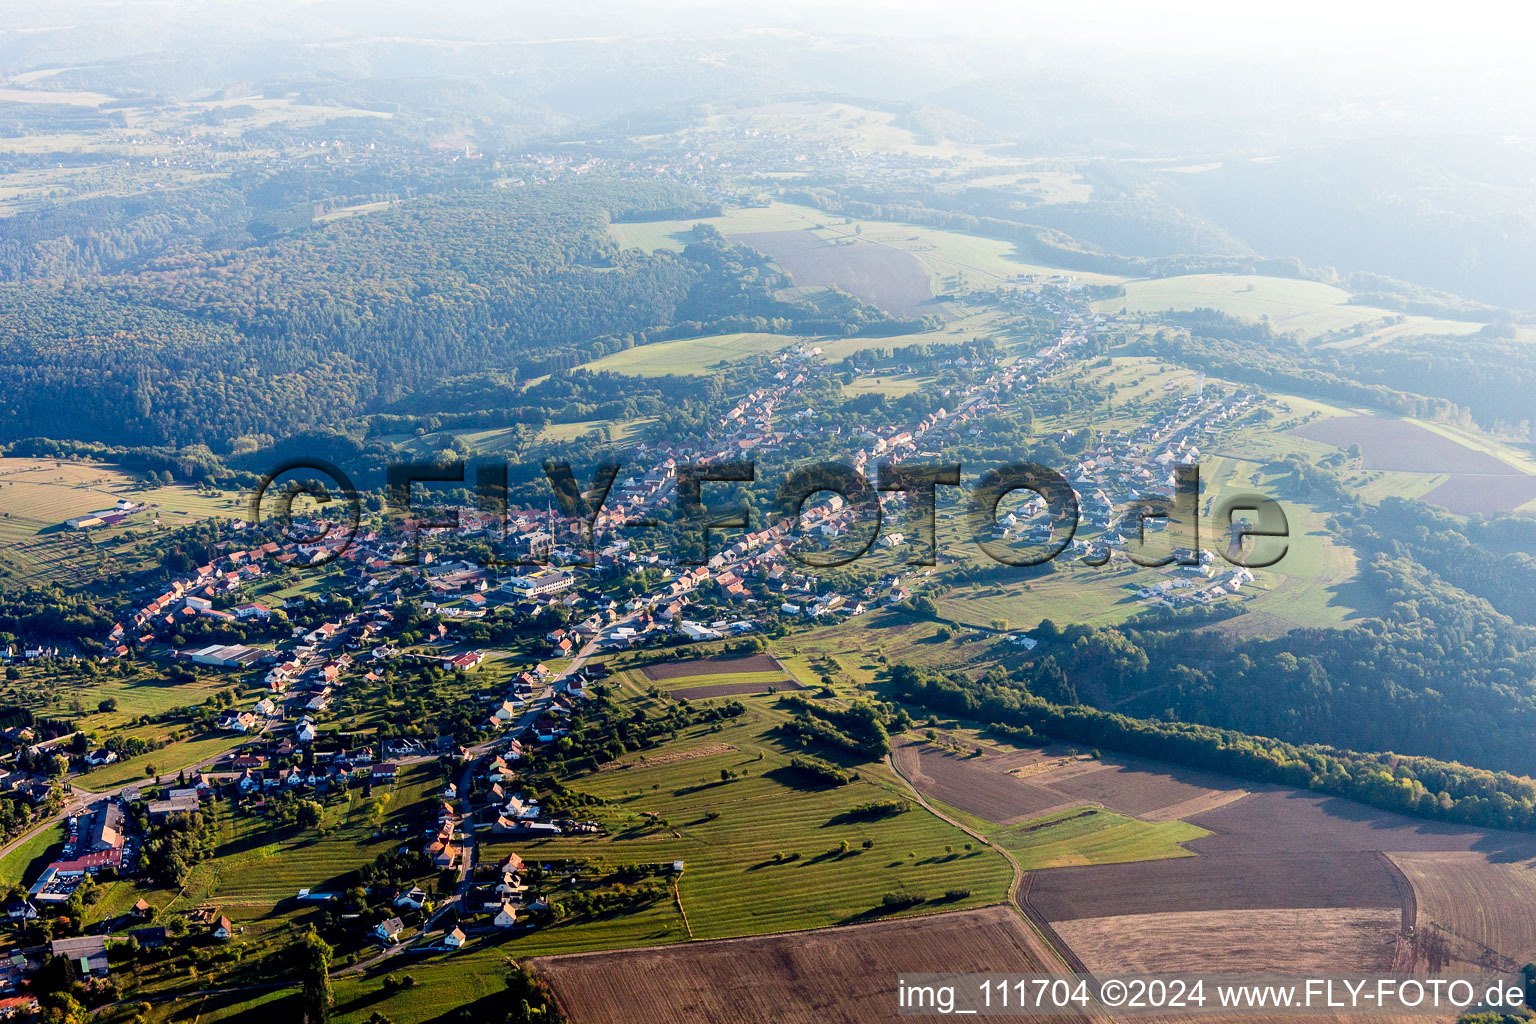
(388, 931)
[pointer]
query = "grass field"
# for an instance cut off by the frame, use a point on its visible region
(257, 870)
(1314, 583)
(689, 355)
(1308, 308)
(145, 691)
(23, 864)
(168, 760)
(732, 884)
(1095, 836)
(38, 495)
(953, 261)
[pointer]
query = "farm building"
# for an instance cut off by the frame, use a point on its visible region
(88, 953)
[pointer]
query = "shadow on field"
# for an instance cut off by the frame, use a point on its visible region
(286, 1008)
(793, 778)
(486, 1008)
(880, 912)
(362, 1002)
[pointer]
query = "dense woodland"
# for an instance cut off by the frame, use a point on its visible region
(193, 323)
(1415, 785)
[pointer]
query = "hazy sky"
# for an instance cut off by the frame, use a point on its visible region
(1368, 30)
(1411, 29)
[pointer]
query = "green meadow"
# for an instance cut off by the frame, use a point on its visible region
(1308, 308)
(763, 851)
(1091, 835)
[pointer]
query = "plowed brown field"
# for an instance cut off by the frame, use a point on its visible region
(1322, 941)
(1472, 910)
(710, 667)
(835, 976)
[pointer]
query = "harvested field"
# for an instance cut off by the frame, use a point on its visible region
(1045, 765)
(1390, 444)
(1278, 848)
(834, 976)
(1254, 881)
(1014, 786)
(711, 667)
(1488, 495)
(737, 689)
(1472, 910)
(886, 276)
(1292, 821)
(1139, 788)
(975, 786)
(1324, 941)
(1196, 805)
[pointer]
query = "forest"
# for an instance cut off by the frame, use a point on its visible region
(1422, 786)
(190, 330)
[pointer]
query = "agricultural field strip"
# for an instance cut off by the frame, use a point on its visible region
(1473, 908)
(834, 976)
(1322, 940)
(1012, 788)
(712, 667)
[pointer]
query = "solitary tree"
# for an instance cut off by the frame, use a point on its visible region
(316, 998)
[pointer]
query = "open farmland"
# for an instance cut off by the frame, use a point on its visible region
(976, 786)
(1472, 910)
(1275, 849)
(953, 260)
(1308, 308)
(1326, 941)
(1140, 787)
(840, 976)
(764, 850)
(1395, 444)
(739, 685)
(702, 678)
(885, 276)
(38, 495)
(1009, 786)
(1255, 881)
(689, 355)
(1486, 495)
(711, 666)
(1477, 481)
(1091, 835)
